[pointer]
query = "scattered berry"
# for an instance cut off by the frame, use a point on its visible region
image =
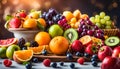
(94, 63)
(86, 55)
(28, 66)
(46, 62)
(95, 56)
(61, 63)
(7, 62)
(35, 60)
(21, 42)
(81, 60)
(93, 59)
(44, 52)
(78, 54)
(69, 56)
(72, 65)
(54, 64)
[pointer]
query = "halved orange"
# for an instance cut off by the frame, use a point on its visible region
(37, 50)
(22, 55)
(86, 40)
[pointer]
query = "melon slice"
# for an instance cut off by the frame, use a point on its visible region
(7, 42)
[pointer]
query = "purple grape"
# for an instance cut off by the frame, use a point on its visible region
(67, 27)
(89, 22)
(64, 25)
(83, 33)
(82, 23)
(87, 19)
(82, 20)
(43, 15)
(85, 27)
(52, 11)
(79, 30)
(90, 32)
(60, 23)
(64, 20)
(62, 17)
(85, 30)
(96, 27)
(48, 16)
(50, 23)
(98, 35)
(100, 31)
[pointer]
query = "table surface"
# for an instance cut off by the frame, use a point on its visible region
(87, 65)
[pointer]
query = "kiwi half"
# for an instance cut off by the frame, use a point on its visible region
(71, 34)
(112, 41)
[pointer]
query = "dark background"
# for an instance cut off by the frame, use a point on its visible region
(90, 7)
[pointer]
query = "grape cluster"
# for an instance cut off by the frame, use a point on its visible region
(21, 42)
(52, 17)
(86, 27)
(102, 20)
(63, 23)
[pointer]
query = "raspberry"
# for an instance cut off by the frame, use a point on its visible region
(81, 60)
(7, 62)
(46, 62)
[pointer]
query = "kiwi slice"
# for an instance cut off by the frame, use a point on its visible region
(71, 34)
(112, 41)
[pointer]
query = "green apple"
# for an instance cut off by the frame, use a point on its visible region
(55, 30)
(3, 52)
(10, 50)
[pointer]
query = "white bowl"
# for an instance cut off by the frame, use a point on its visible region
(27, 34)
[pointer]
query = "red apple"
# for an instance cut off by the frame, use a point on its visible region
(104, 51)
(77, 46)
(116, 52)
(110, 63)
(21, 14)
(15, 22)
(91, 49)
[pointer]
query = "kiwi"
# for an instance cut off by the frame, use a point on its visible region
(112, 41)
(71, 34)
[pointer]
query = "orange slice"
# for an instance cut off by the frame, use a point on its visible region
(86, 40)
(22, 56)
(36, 50)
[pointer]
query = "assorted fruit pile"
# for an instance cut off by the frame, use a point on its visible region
(68, 34)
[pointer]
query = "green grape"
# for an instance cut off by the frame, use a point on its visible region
(102, 14)
(103, 26)
(92, 19)
(98, 24)
(97, 20)
(108, 27)
(102, 21)
(107, 17)
(97, 16)
(109, 23)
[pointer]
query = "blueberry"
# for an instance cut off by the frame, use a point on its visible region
(93, 59)
(44, 52)
(61, 63)
(28, 66)
(54, 64)
(94, 63)
(72, 65)
(86, 55)
(69, 56)
(35, 60)
(79, 54)
(95, 56)
(24, 48)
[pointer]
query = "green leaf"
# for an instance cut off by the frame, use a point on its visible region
(8, 17)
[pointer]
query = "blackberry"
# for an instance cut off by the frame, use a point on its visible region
(34, 44)
(21, 42)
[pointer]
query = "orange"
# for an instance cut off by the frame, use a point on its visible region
(43, 38)
(30, 23)
(42, 22)
(22, 55)
(77, 14)
(68, 15)
(36, 50)
(84, 16)
(73, 20)
(59, 45)
(86, 40)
